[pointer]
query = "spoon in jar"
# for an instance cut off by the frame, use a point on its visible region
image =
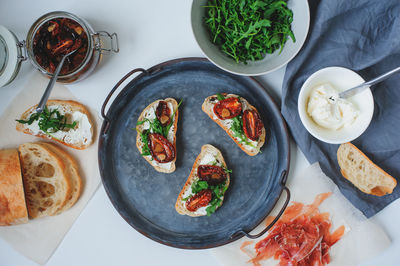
(359, 88)
(50, 86)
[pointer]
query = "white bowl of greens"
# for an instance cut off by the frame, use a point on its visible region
(250, 37)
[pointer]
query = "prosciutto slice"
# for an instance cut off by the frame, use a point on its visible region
(300, 237)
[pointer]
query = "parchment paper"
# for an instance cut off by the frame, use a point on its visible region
(362, 239)
(39, 238)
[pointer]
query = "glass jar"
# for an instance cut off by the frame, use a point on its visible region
(13, 52)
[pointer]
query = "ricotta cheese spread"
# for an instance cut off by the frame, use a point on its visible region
(330, 111)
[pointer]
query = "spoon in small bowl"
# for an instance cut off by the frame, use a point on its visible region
(50, 86)
(359, 88)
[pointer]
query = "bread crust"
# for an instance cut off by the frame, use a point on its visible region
(12, 199)
(207, 107)
(139, 128)
(72, 170)
(180, 205)
(379, 190)
(76, 106)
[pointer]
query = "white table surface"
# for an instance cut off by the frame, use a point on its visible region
(149, 32)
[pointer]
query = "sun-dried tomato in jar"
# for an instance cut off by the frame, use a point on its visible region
(57, 37)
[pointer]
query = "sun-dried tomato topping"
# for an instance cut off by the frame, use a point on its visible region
(252, 124)
(201, 199)
(300, 237)
(57, 37)
(211, 173)
(160, 148)
(228, 108)
(163, 113)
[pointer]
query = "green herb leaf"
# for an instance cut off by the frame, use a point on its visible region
(237, 129)
(199, 186)
(220, 97)
(49, 121)
(247, 30)
(144, 137)
(168, 127)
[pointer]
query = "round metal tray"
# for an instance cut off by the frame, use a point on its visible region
(146, 198)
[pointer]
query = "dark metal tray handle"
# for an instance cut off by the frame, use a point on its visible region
(283, 182)
(103, 108)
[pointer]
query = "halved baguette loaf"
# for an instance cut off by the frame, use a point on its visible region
(149, 113)
(79, 137)
(208, 108)
(208, 155)
(47, 186)
(362, 172)
(12, 199)
(72, 173)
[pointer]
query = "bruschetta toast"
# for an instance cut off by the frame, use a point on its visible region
(67, 122)
(239, 119)
(156, 134)
(205, 187)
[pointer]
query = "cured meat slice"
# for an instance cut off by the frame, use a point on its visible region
(300, 237)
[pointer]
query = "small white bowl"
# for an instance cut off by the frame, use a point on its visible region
(341, 79)
(271, 62)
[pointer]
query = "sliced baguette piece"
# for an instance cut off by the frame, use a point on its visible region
(362, 172)
(207, 155)
(78, 138)
(47, 186)
(72, 170)
(149, 112)
(12, 199)
(208, 108)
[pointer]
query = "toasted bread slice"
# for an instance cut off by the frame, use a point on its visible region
(12, 199)
(149, 113)
(362, 172)
(208, 108)
(79, 137)
(208, 155)
(72, 172)
(47, 186)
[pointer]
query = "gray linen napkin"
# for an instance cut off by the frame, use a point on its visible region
(363, 35)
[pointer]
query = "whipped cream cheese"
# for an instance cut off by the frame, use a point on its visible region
(328, 110)
(82, 133)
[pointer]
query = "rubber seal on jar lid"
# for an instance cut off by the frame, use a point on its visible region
(10, 54)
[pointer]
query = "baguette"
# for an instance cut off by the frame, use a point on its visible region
(362, 172)
(47, 186)
(208, 155)
(149, 113)
(255, 146)
(79, 137)
(12, 199)
(72, 173)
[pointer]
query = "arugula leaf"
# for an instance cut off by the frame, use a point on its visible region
(145, 149)
(49, 121)
(237, 129)
(199, 186)
(220, 97)
(247, 30)
(168, 127)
